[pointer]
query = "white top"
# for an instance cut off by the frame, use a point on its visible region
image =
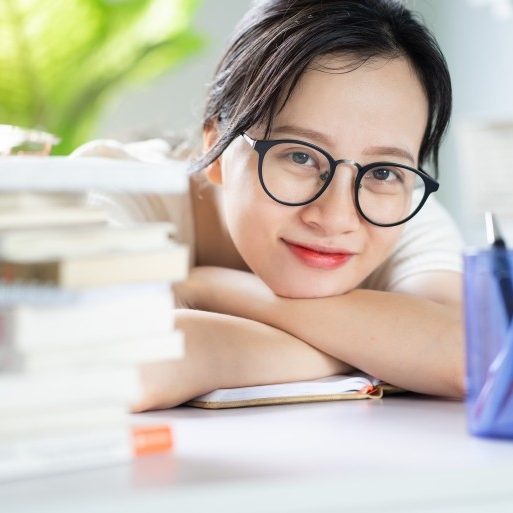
(430, 241)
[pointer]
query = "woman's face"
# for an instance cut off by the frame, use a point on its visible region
(375, 112)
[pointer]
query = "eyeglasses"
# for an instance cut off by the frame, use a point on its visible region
(296, 173)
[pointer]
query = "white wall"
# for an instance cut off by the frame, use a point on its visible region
(478, 48)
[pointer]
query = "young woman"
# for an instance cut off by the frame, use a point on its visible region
(317, 245)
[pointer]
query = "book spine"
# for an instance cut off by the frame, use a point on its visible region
(47, 272)
(39, 457)
(47, 422)
(52, 218)
(97, 385)
(170, 264)
(36, 294)
(48, 174)
(169, 346)
(65, 242)
(24, 200)
(130, 267)
(32, 329)
(14, 294)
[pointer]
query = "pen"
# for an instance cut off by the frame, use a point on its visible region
(500, 263)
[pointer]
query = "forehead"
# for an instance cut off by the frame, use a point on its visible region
(381, 101)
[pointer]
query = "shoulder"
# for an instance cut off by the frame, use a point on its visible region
(125, 208)
(150, 150)
(430, 242)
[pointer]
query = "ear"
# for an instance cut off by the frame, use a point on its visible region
(210, 137)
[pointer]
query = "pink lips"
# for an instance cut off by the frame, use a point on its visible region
(319, 259)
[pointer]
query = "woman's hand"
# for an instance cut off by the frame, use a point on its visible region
(184, 294)
(193, 292)
(224, 351)
(168, 383)
(228, 291)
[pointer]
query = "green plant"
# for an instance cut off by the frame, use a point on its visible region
(61, 60)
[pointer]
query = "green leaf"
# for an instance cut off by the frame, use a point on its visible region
(62, 60)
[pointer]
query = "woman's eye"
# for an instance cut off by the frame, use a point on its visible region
(383, 174)
(300, 158)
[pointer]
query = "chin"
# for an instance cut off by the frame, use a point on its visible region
(306, 291)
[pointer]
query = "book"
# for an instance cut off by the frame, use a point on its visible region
(167, 346)
(169, 264)
(86, 449)
(25, 200)
(72, 415)
(78, 174)
(143, 311)
(53, 216)
(33, 245)
(23, 392)
(331, 388)
(83, 302)
(40, 294)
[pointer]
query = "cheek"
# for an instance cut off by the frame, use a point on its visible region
(382, 241)
(240, 197)
(252, 218)
(256, 226)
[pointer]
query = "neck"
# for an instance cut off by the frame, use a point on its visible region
(214, 245)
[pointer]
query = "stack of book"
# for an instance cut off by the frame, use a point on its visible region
(82, 304)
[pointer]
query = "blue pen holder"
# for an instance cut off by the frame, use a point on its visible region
(489, 344)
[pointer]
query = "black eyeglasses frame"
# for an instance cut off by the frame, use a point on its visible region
(262, 146)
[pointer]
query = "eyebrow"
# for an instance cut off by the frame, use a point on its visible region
(324, 139)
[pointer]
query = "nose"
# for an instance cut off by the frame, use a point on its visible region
(334, 212)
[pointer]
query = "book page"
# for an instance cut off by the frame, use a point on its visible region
(329, 385)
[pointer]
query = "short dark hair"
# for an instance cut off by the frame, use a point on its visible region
(277, 39)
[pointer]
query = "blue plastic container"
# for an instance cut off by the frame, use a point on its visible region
(489, 346)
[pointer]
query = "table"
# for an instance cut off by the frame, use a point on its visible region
(404, 453)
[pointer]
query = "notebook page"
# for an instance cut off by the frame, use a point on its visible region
(329, 385)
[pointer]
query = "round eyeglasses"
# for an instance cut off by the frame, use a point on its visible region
(295, 173)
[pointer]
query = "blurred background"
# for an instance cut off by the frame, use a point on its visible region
(157, 84)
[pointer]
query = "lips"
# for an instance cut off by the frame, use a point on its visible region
(318, 256)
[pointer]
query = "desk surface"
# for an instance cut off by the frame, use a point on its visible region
(407, 452)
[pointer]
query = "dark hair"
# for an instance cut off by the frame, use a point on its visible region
(277, 39)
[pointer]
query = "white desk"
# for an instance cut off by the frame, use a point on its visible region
(400, 454)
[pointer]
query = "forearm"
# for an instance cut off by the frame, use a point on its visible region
(224, 352)
(405, 340)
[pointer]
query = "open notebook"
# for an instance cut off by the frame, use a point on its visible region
(331, 388)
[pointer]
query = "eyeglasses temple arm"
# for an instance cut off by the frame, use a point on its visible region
(248, 139)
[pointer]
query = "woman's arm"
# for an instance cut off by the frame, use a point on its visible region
(223, 351)
(409, 341)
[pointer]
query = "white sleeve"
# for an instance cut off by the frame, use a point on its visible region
(430, 242)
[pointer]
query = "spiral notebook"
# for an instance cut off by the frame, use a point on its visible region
(331, 388)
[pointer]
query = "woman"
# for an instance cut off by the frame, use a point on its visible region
(317, 248)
